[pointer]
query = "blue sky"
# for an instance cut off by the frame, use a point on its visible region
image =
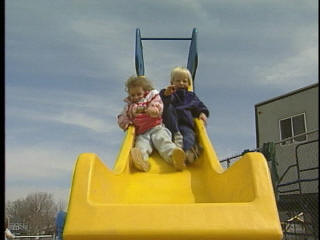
(66, 63)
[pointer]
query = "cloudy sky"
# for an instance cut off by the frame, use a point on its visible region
(66, 63)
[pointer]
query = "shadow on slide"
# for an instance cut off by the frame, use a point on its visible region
(203, 201)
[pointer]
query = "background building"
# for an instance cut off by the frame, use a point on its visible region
(291, 122)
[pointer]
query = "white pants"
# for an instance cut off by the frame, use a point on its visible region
(158, 137)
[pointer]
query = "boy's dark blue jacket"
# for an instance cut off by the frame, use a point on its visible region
(187, 105)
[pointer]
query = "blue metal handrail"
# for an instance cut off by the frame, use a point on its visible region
(193, 56)
(139, 54)
(192, 63)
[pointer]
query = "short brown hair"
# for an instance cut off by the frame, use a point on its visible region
(139, 81)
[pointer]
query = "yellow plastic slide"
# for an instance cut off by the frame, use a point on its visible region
(202, 202)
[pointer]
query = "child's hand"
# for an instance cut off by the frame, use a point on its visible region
(140, 109)
(204, 118)
(124, 126)
(135, 110)
(169, 90)
(152, 112)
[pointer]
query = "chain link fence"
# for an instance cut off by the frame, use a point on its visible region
(296, 189)
(298, 209)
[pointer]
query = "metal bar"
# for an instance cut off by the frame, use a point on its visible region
(192, 57)
(309, 169)
(298, 173)
(259, 149)
(299, 234)
(304, 143)
(297, 160)
(285, 172)
(293, 190)
(139, 62)
(192, 63)
(287, 184)
(144, 38)
(239, 155)
(309, 179)
(229, 158)
(302, 134)
(35, 236)
(298, 181)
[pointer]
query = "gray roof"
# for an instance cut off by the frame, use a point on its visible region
(287, 94)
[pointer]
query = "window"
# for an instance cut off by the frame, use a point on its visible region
(291, 127)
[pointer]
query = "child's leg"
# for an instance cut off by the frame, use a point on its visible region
(170, 120)
(140, 153)
(143, 142)
(189, 138)
(161, 139)
(189, 144)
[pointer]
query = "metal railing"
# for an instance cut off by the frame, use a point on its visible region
(259, 149)
(42, 237)
(296, 165)
(305, 199)
(298, 210)
(192, 63)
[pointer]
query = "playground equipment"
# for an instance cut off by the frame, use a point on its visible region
(201, 202)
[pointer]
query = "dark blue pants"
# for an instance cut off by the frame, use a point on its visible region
(170, 120)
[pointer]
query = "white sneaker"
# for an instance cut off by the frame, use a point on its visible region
(178, 156)
(138, 161)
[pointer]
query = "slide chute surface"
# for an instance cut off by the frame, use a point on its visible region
(202, 202)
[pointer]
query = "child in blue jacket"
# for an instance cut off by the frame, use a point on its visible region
(180, 107)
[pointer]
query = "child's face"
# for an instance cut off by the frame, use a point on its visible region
(180, 80)
(136, 94)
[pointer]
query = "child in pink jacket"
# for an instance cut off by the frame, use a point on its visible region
(143, 109)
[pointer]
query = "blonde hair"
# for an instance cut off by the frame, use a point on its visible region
(139, 81)
(181, 70)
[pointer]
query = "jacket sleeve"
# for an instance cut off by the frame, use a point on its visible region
(199, 107)
(156, 104)
(165, 99)
(123, 119)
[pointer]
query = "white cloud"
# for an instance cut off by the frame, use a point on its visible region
(300, 65)
(96, 31)
(294, 70)
(37, 170)
(77, 109)
(79, 119)
(43, 168)
(88, 45)
(32, 162)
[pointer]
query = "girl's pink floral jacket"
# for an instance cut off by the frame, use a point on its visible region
(135, 113)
